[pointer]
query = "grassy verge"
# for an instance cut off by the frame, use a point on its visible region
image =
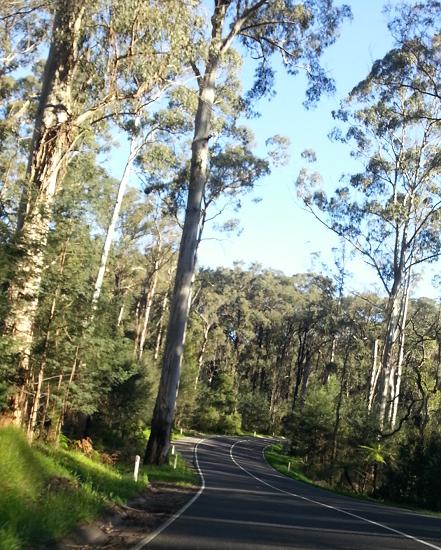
(181, 475)
(45, 492)
(279, 461)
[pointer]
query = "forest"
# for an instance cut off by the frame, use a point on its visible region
(109, 328)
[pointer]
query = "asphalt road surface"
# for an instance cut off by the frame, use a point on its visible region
(245, 504)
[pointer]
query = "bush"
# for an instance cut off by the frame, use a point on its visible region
(254, 410)
(230, 424)
(207, 419)
(310, 428)
(414, 476)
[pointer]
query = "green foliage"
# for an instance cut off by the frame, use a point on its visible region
(254, 410)
(413, 477)
(216, 409)
(230, 424)
(207, 418)
(311, 427)
(44, 492)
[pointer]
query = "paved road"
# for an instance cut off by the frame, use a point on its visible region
(247, 505)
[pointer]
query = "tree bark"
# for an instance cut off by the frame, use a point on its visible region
(207, 327)
(51, 142)
(162, 421)
(374, 375)
(161, 325)
(135, 146)
(391, 334)
(148, 307)
(396, 391)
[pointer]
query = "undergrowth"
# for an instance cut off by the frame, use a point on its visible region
(45, 492)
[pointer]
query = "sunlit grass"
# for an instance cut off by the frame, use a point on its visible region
(45, 492)
(288, 465)
(181, 475)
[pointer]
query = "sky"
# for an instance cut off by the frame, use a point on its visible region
(277, 232)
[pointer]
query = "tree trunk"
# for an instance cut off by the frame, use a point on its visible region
(51, 142)
(338, 411)
(396, 394)
(374, 375)
(161, 325)
(148, 307)
(120, 316)
(301, 354)
(387, 367)
(305, 379)
(134, 149)
(159, 441)
(200, 361)
(37, 397)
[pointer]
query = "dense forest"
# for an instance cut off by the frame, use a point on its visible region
(104, 312)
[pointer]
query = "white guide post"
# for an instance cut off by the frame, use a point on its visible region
(136, 470)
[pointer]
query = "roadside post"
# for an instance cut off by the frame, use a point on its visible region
(136, 470)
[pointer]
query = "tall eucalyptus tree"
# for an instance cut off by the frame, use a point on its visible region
(299, 33)
(100, 54)
(390, 211)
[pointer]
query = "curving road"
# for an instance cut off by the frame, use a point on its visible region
(244, 504)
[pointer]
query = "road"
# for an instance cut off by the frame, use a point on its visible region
(246, 505)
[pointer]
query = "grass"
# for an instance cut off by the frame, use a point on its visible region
(45, 492)
(182, 475)
(279, 461)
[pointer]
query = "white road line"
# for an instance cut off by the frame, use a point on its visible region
(396, 531)
(175, 516)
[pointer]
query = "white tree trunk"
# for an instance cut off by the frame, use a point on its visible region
(200, 362)
(135, 146)
(148, 307)
(396, 394)
(163, 415)
(374, 375)
(392, 331)
(51, 143)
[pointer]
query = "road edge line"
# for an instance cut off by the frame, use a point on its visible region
(317, 502)
(181, 510)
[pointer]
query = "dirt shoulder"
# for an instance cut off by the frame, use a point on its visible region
(125, 526)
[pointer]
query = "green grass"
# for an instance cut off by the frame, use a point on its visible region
(45, 492)
(278, 460)
(182, 475)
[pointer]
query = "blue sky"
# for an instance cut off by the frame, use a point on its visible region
(277, 232)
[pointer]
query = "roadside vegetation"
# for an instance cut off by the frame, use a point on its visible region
(292, 466)
(98, 274)
(45, 491)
